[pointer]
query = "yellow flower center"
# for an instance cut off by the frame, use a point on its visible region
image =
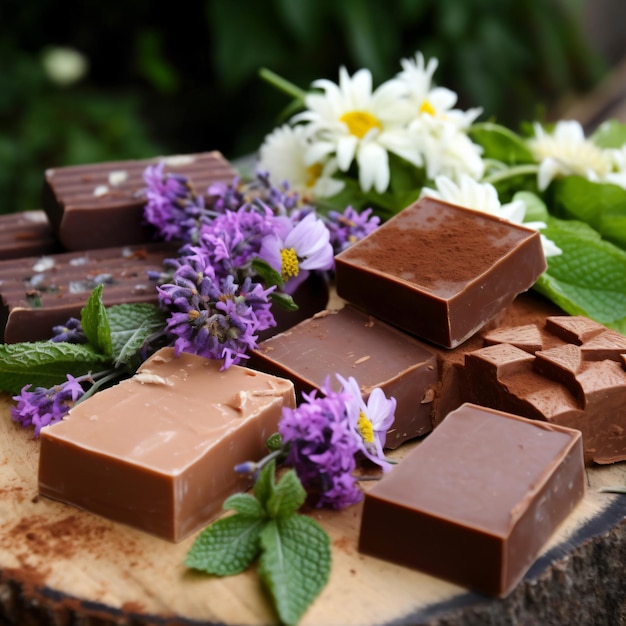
(360, 123)
(366, 428)
(314, 172)
(427, 108)
(290, 265)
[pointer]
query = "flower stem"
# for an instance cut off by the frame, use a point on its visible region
(518, 170)
(280, 83)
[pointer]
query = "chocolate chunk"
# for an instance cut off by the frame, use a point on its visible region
(41, 292)
(101, 205)
(577, 378)
(158, 450)
(440, 271)
(352, 343)
(476, 501)
(26, 234)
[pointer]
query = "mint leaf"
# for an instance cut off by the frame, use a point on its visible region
(501, 144)
(589, 278)
(246, 504)
(610, 134)
(287, 496)
(45, 363)
(228, 546)
(95, 324)
(130, 325)
(294, 564)
(264, 485)
(601, 205)
(283, 300)
(267, 273)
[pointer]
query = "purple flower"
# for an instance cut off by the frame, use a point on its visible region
(322, 441)
(43, 407)
(294, 249)
(172, 205)
(71, 332)
(214, 317)
(349, 227)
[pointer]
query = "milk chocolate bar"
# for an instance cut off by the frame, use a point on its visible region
(440, 271)
(158, 450)
(41, 292)
(476, 501)
(27, 233)
(101, 205)
(352, 343)
(566, 370)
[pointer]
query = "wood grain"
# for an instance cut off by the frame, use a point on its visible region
(57, 563)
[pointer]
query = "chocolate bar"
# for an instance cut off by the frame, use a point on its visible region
(158, 450)
(352, 343)
(101, 205)
(41, 292)
(440, 271)
(566, 370)
(476, 501)
(27, 233)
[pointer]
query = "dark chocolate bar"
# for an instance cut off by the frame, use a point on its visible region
(101, 205)
(27, 233)
(41, 292)
(476, 501)
(440, 271)
(352, 343)
(158, 451)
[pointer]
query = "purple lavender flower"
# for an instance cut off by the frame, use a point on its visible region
(322, 441)
(43, 407)
(349, 227)
(172, 205)
(71, 332)
(214, 317)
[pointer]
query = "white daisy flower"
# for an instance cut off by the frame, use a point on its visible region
(483, 197)
(566, 151)
(351, 121)
(282, 156)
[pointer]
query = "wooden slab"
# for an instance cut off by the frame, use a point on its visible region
(58, 563)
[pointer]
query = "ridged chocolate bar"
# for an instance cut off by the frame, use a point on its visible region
(27, 233)
(40, 292)
(101, 205)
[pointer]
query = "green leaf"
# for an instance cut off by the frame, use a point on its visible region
(295, 564)
(264, 485)
(601, 205)
(130, 325)
(95, 324)
(610, 134)
(245, 504)
(283, 300)
(288, 496)
(227, 547)
(45, 363)
(501, 144)
(536, 209)
(589, 278)
(267, 273)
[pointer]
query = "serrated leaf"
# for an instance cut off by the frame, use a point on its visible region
(130, 325)
(264, 485)
(227, 547)
(93, 319)
(245, 504)
(45, 363)
(287, 497)
(294, 564)
(601, 205)
(589, 278)
(500, 143)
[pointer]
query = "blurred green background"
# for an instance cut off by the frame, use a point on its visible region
(185, 79)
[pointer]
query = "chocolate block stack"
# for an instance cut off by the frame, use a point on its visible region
(92, 232)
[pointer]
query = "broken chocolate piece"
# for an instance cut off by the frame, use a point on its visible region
(352, 343)
(27, 233)
(476, 501)
(41, 292)
(440, 271)
(101, 205)
(158, 450)
(577, 378)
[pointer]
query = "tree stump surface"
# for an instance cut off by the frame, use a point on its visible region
(62, 566)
